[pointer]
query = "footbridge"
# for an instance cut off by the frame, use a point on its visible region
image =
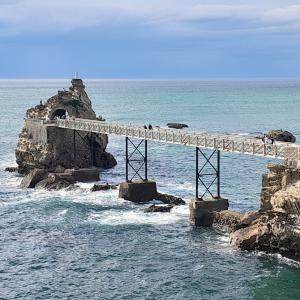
(213, 142)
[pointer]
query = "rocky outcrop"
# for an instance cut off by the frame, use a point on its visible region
(103, 187)
(44, 146)
(281, 136)
(169, 199)
(177, 125)
(275, 227)
(272, 232)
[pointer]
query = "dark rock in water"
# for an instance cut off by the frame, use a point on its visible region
(281, 136)
(11, 169)
(56, 182)
(169, 199)
(103, 187)
(33, 177)
(44, 146)
(158, 208)
(177, 125)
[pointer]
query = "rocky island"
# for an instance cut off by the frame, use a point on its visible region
(44, 150)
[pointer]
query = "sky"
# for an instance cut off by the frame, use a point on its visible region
(155, 39)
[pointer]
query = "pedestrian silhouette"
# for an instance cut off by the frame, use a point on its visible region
(145, 127)
(150, 126)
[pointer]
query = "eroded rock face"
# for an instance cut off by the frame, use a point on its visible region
(271, 232)
(44, 146)
(275, 228)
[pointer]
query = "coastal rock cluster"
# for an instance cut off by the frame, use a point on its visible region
(275, 227)
(44, 146)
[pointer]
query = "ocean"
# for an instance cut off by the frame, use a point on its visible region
(83, 245)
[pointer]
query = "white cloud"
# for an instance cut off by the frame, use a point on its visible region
(193, 17)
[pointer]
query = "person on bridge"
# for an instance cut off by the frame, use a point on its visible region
(145, 127)
(150, 127)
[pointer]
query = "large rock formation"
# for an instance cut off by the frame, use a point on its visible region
(275, 228)
(44, 146)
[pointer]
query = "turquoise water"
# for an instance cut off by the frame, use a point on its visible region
(82, 245)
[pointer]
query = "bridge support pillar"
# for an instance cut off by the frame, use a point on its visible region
(141, 189)
(202, 211)
(138, 191)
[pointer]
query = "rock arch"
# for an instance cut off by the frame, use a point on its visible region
(58, 112)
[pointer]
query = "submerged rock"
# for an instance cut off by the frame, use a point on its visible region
(281, 136)
(44, 146)
(177, 125)
(169, 199)
(158, 208)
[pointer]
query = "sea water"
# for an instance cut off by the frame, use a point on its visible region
(83, 245)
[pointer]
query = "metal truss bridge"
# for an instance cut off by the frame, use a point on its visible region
(199, 140)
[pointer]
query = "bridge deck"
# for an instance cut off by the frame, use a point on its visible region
(222, 142)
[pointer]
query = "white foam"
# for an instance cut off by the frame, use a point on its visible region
(280, 258)
(137, 216)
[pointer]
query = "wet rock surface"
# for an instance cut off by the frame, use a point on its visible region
(103, 187)
(169, 199)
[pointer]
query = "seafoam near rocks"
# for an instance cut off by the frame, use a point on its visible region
(44, 146)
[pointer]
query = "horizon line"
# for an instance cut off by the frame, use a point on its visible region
(156, 79)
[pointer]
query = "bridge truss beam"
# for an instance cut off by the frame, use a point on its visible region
(208, 175)
(136, 159)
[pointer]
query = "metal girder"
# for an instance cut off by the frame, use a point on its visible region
(136, 164)
(209, 173)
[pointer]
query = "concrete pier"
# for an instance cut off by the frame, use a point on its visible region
(138, 191)
(202, 211)
(84, 174)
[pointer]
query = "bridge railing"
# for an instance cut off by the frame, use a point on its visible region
(227, 143)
